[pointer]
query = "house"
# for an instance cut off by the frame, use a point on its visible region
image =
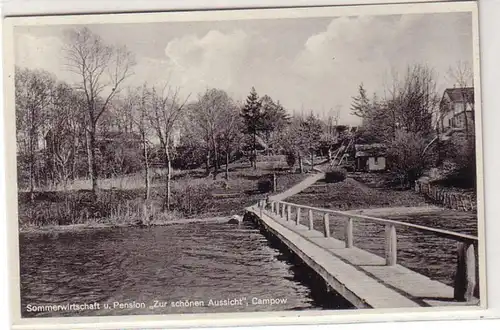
(457, 109)
(370, 157)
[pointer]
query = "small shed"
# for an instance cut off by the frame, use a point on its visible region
(370, 157)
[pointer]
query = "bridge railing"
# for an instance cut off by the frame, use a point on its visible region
(466, 282)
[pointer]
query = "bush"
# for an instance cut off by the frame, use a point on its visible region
(191, 199)
(335, 174)
(65, 208)
(188, 156)
(290, 159)
(265, 185)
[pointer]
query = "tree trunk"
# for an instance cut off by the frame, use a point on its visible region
(255, 150)
(146, 167)
(227, 165)
(438, 146)
(267, 141)
(312, 160)
(216, 161)
(466, 121)
(73, 160)
(207, 163)
(32, 167)
(90, 134)
(301, 166)
(168, 178)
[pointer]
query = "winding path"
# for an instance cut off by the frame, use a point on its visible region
(302, 185)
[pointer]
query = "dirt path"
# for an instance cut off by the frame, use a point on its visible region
(304, 184)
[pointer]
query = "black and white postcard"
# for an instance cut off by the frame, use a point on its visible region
(239, 163)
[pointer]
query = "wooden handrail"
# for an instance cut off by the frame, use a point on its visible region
(459, 237)
(465, 276)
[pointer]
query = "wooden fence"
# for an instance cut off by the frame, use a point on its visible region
(466, 284)
(446, 198)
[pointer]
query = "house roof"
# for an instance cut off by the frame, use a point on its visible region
(370, 150)
(458, 94)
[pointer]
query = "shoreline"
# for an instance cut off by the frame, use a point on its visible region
(94, 226)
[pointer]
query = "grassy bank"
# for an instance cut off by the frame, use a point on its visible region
(353, 194)
(194, 195)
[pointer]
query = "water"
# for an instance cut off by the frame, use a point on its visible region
(152, 268)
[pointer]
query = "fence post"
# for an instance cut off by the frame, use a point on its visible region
(275, 186)
(391, 251)
(297, 220)
(283, 206)
(288, 213)
(311, 220)
(326, 221)
(348, 233)
(465, 277)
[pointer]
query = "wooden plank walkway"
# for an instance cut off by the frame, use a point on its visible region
(363, 278)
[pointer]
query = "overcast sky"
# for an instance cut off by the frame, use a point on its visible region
(313, 64)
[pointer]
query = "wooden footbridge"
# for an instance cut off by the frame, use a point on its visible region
(363, 278)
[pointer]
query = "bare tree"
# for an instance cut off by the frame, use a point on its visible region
(33, 98)
(309, 137)
(208, 117)
(137, 106)
(101, 69)
(291, 141)
(413, 100)
(165, 115)
(231, 135)
(64, 123)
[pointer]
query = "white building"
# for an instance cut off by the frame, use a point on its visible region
(455, 107)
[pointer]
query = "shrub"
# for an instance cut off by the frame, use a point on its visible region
(265, 185)
(290, 159)
(191, 199)
(65, 208)
(335, 174)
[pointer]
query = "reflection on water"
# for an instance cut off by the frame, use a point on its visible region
(154, 267)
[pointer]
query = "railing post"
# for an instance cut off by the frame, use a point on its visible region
(283, 210)
(391, 251)
(349, 241)
(288, 213)
(326, 222)
(465, 277)
(297, 220)
(311, 220)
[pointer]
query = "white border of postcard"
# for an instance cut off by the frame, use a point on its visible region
(228, 319)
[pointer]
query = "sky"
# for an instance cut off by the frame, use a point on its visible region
(308, 64)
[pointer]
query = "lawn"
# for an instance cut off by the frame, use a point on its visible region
(353, 194)
(121, 201)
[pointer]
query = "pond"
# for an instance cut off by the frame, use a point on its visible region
(187, 268)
